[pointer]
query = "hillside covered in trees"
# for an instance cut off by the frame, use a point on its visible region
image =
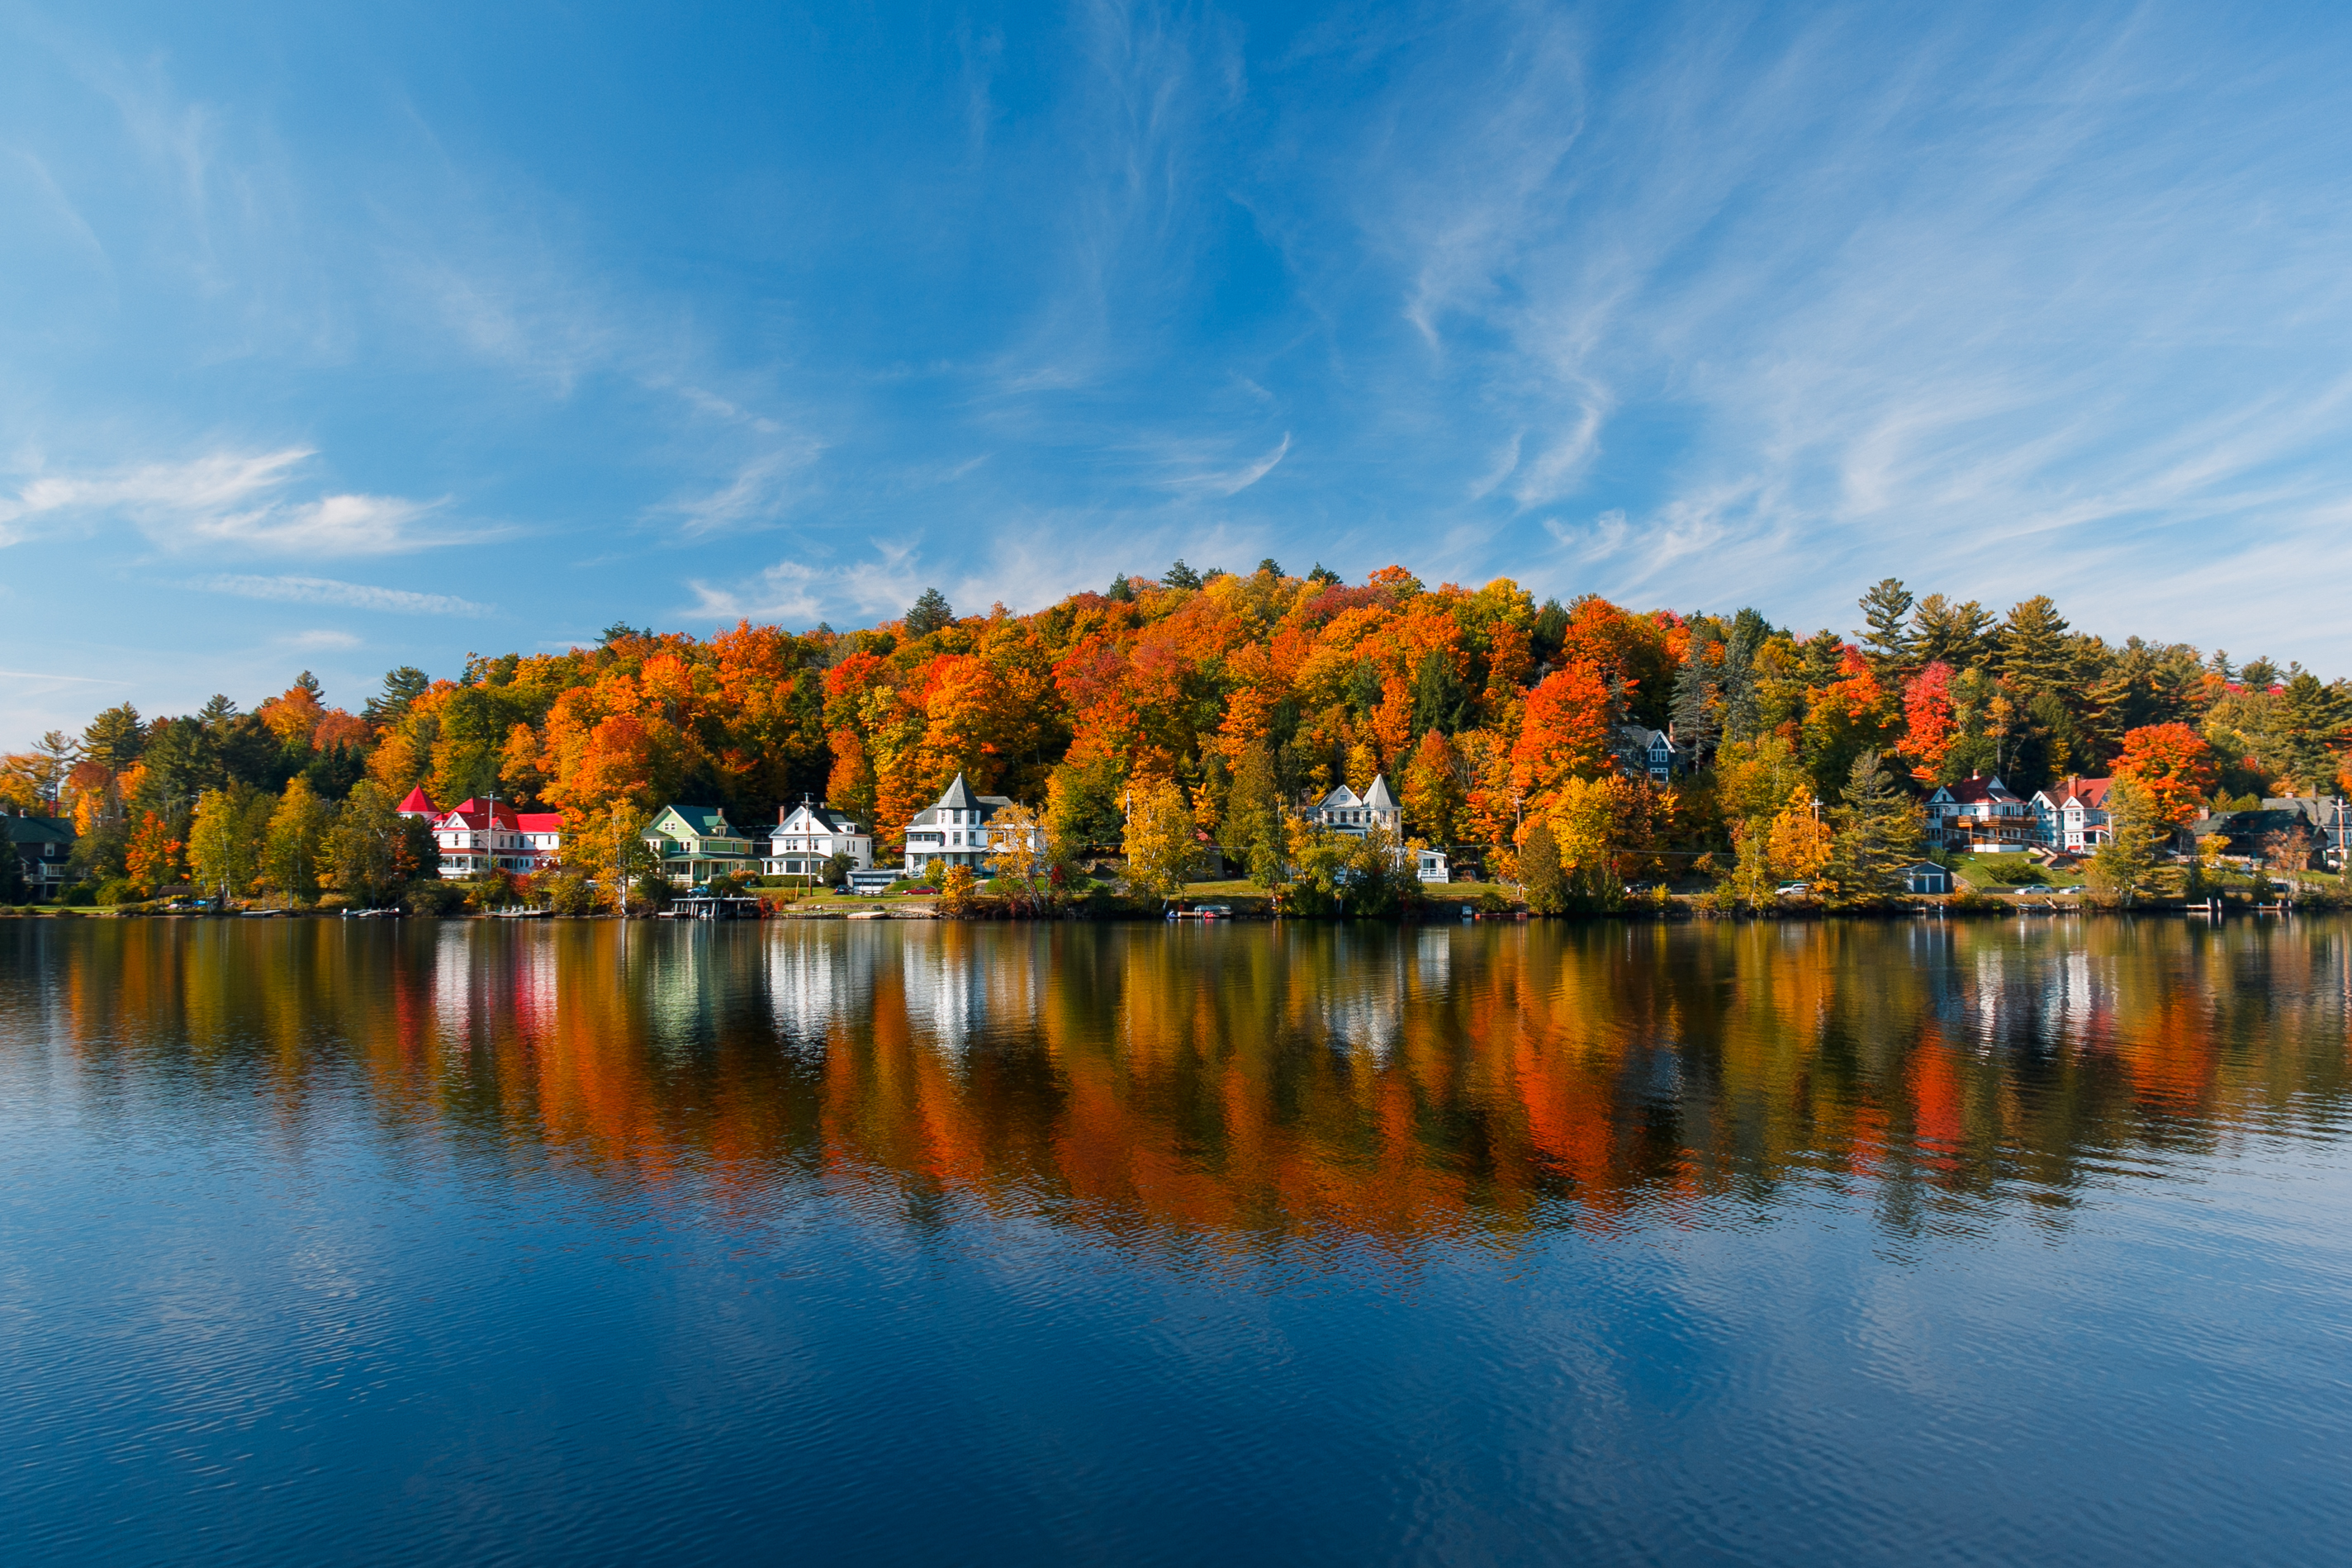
(1249, 693)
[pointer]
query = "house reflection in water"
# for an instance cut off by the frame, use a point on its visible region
(1253, 1081)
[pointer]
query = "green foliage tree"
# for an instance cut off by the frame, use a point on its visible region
(363, 848)
(1251, 829)
(1082, 807)
(1180, 576)
(1877, 836)
(1542, 883)
(2122, 870)
(293, 853)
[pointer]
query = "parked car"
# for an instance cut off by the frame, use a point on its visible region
(1795, 889)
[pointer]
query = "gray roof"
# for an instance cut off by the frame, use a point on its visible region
(838, 822)
(986, 805)
(1378, 797)
(2319, 809)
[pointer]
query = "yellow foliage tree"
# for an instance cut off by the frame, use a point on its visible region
(1159, 843)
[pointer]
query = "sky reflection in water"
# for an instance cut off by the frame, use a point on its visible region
(1900, 1243)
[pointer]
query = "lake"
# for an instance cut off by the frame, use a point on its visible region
(1876, 1243)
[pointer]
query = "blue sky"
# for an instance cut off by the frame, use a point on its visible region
(340, 338)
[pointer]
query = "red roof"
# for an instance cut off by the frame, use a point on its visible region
(540, 821)
(470, 812)
(419, 804)
(1968, 792)
(2091, 792)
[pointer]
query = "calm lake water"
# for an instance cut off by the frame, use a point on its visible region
(897, 1242)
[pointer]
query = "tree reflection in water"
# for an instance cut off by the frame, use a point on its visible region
(1248, 1083)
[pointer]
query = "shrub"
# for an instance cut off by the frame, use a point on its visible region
(77, 895)
(571, 894)
(116, 890)
(433, 896)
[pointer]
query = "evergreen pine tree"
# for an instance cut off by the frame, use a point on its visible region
(1696, 723)
(2033, 650)
(1888, 640)
(1440, 701)
(1878, 831)
(1741, 717)
(929, 613)
(1956, 634)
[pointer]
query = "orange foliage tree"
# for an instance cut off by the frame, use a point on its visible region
(2173, 764)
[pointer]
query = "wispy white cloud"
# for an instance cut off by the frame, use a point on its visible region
(320, 640)
(224, 499)
(351, 595)
(760, 493)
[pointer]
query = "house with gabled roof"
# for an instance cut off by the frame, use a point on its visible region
(42, 846)
(476, 837)
(960, 828)
(807, 836)
(1345, 812)
(417, 803)
(695, 844)
(1645, 752)
(2074, 815)
(1979, 814)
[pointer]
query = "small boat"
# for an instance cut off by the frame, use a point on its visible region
(867, 915)
(518, 913)
(261, 913)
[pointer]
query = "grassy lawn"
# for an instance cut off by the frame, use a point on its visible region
(1982, 872)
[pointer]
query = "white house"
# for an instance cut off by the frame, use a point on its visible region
(476, 837)
(807, 836)
(1345, 812)
(956, 830)
(2072, 815)
(1979, 814)
(1430, 867)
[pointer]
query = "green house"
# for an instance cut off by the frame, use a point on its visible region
(697, 843)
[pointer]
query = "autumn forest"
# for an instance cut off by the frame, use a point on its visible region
(1249, 693)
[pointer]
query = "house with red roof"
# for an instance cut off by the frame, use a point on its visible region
(543, 832)
(1979, 814)
(2074, 815)
(478, 836)
(418, 804)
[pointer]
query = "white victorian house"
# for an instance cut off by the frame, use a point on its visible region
(2074, 815)
(475, 837)
(1979, 814)
(1345, 812)
(960, 828)
(807, 836)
